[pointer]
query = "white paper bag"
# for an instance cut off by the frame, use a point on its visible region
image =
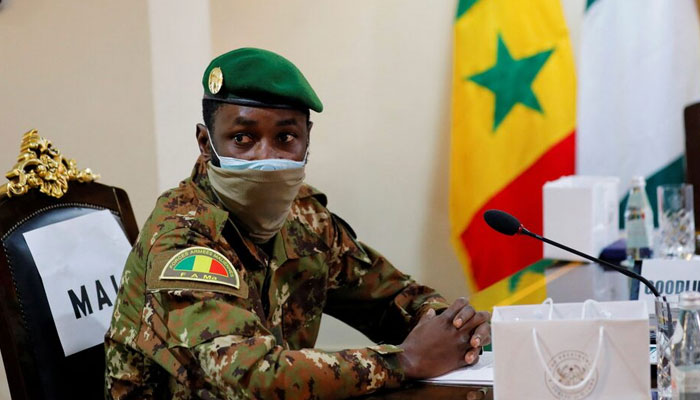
(572, 351)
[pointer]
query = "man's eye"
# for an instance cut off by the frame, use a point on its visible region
(242, 138)
(286, 137)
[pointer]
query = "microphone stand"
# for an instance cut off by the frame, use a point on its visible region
(617, 268)
(669, 326)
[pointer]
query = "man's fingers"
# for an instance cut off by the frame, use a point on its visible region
(463, 315)
(478, 394)
(477, 319)
(481, 335)
(453, 309)
(472, 356)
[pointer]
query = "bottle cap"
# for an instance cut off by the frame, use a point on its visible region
(689, 300)
(639, 181)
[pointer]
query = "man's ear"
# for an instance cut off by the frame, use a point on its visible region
(203, 142)
(309, 125)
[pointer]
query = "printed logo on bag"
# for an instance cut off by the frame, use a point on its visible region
(570, 367)
(201, 264)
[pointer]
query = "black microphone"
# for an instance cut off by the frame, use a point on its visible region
(507, 224)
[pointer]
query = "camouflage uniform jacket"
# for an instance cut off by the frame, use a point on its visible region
(183, 339)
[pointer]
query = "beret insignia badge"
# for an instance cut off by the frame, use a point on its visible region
(216, 80)
(201, 264)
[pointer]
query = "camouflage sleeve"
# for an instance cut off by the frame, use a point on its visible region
(128, 374)
(232, 353)
(215, 342)
(370, 294)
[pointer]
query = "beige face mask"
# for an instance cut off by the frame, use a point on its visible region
(260, 200)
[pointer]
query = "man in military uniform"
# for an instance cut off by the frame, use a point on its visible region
(222, 295)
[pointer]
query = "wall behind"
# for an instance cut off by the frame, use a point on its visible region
(79, 74)
(179, 57)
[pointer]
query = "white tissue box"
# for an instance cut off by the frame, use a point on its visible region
(581, 212)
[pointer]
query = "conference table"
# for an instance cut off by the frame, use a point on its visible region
(419, 391)
(422, 391)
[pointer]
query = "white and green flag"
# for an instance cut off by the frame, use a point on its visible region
(639, 67)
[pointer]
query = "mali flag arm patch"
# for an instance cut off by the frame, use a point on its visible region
(200, 268)
(201, 264)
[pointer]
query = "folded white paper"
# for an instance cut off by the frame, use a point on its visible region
(480, 374)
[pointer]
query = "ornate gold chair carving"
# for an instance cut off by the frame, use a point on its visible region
(45, 188)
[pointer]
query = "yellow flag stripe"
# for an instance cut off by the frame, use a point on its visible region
(201, 264)
(532, 288)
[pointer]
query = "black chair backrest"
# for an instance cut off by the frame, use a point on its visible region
(691, 116)
(34, 361)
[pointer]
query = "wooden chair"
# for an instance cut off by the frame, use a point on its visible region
(46, 188)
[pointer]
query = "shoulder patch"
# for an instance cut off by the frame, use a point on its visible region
(201, 264)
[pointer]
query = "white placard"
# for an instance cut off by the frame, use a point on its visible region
(669, 277)
(80, 262)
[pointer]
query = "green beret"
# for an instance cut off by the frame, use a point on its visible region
(258, 78)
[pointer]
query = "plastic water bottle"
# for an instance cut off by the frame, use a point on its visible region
(685, 349)
(639, 221)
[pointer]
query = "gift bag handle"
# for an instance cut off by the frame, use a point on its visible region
(591, 302)
(586, 305)
(549, 302)
(585, 380)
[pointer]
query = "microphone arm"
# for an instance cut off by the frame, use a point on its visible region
(624, 271)
(617, 268)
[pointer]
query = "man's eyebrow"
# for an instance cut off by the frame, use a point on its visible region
(245, 121)
(287, 122)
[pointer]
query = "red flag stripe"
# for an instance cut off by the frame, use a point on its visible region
(495, 256)
(217, 268)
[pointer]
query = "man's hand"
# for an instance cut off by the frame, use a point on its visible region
(439, 344)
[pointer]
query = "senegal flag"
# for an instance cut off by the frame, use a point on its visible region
(513, 121)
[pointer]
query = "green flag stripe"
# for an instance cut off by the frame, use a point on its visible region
(536, 268)
(672, 173)
(589, 3)
(185, 265)
(463, 6)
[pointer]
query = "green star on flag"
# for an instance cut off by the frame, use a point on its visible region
(510, 80)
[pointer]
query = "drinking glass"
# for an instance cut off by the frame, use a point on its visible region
(666, 312)
(676, 221)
